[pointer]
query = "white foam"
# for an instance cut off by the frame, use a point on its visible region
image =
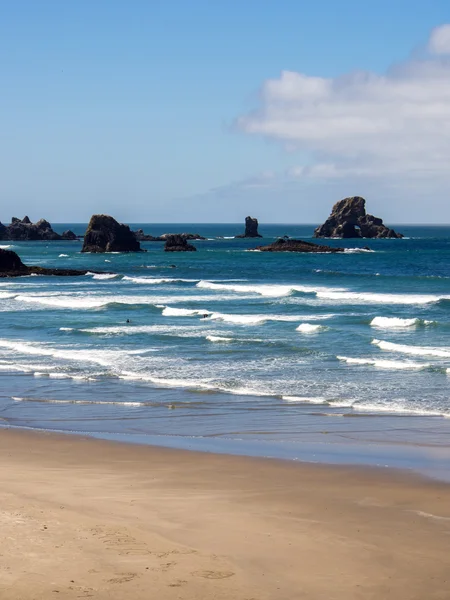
(306, 399)
(413, 350)
(268, 290)
(101, 276)
(357, 250)
(73, 302)
(218, 338)
(6, 296)
(309, 328)
(168, 311)
(384, 364)
(393, 322)
(376, 298)
(157, 281)
(63, 255)
(66, 328)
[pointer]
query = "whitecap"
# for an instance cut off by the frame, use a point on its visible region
(384, 364)
(268, 290)
(63, 256)
(413, 350)
(309, 328)
(393, 322)
(306, 399)
(379, 298)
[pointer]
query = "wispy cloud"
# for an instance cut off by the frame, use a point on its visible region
(363, 124)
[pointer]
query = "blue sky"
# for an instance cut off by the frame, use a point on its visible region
(206, 111)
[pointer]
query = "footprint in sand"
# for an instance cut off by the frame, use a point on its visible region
(213, 574)
(123, 578)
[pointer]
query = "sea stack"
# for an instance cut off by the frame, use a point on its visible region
(23, 230)
(251, 229)
(348, 219)
(178, 243)
(105, 234)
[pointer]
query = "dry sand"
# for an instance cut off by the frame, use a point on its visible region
(91, 519)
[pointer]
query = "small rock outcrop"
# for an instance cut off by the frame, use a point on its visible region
(145, 237)
(178, 243)
(348, 219)
(251, 229)
(12, 266)
(291, 245)
(105, 234)
(23, 230)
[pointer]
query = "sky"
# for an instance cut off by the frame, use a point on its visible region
(209, 110)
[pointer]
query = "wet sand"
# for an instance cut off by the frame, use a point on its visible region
(81, 518)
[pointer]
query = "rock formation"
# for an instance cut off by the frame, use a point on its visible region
(12, 266)
(105, 234)
(251, 229)
(144, 237)
(349, 219)
(178, 243)
(24, 230)
(291, 245)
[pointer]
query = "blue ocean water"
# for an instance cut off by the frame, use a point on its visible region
(232, 349)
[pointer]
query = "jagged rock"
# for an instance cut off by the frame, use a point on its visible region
(178, 243)
(69, 235)
(24, 230)
(251, 229)
(291, 245)
(348, 219)
(105, 234)
(12, 266)
(144, 237)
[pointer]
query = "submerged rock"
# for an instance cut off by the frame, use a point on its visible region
(178, 243)
(105, 234)
(24, 230)
(12, 266)
(251, 229)
(291, 245)
(348, 219)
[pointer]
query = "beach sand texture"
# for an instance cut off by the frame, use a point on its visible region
(83, 518)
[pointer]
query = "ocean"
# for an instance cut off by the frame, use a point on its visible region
(323, 357)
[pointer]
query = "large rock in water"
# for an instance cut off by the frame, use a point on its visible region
(145, 237)
(24, 230)
(290, 245)
(105, 234)
(349, 219)
(251, 229)
(12, 266)
(178, 243)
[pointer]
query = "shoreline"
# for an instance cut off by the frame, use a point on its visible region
(90, 518)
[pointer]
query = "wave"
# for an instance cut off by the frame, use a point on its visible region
(357, 250)
(7, 296)
(73, 302)
(399, 409)
(63, 256)
(157, 281)
(309, 328)
(218, 338)
(413, 350)
(98, 402)
(306, 400)
(379, 298)
(384, 364)
(168, 311)
(395, 322)
(268, 290)
(103, 275)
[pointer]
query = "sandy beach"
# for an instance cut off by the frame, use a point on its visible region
(82, 518)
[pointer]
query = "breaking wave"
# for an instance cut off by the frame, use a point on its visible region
(413, 350)
(384, 364)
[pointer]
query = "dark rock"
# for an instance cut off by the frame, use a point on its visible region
(348, 219)
(24, 230)
(12, 266)
(105, 234)
(251, 229)
(69, 235)
(290, 245)
(144, 237)
(178, 243)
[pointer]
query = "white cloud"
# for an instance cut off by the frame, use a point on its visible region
(440, 40)
(364, 125)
